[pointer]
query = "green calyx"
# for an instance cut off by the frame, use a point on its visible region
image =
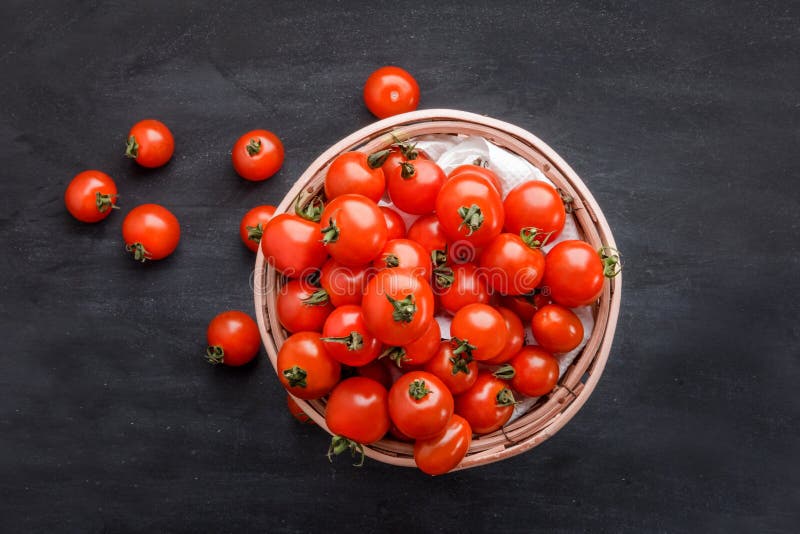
(319, 297)
(529, 237)
(404, 309)
(139, 252)
(215, 355)
(353, 341)
(132, 148)
(396, 354)
(409, 151)
(311, 210)
(418, 389)
(442, 273)
(296, 376)
(471, 218)
(460, 365)
(340, 444)
(505, 397)
(463, 346)
(390, 260)
(253, 146)
(254, 233)
(376, 159)
(407, 170)
(105, 202)
(505, 372)
(480, 162)
(330, 234)
(612, 263)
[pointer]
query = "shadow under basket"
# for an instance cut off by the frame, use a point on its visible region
(552, 411)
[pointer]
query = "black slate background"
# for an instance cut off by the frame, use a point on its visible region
(682, 117)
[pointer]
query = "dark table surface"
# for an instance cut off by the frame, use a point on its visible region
(682, 118)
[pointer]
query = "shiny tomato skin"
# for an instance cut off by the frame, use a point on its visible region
(233, 338)
(391, 90)
(417, 193)
(344, 285)
(150, 143)
(397, 155)
(525, 306)
(443, 452)
(91, 196)
(479, 171)
(291, 244)
(462, 193)
(404, 254)
(304, 367)
(296, 411)
(512, 266)
(427, 231)
(257, 155)
(423, 417)
(358, 409)
(395, 225)
(337, 334)
(480, 407)
(151, 232)
(358, 232)
(401, 286)
(351, 173)
(557, 329)
(468, 287)
(535, 371)
(535, 204)
(378, 371)
(573, 273)
(297, 315)
(251, 228)
(483, 327)
(456, 371)
(423, 348)
(515, 339)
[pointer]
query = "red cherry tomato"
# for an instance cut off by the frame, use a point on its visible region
(304, 367)
(377, 371)
(457, 371)
(347, 339)
(302, 307)
(398, 306)
(354, 173)
(420, 405)
(479, 171)
(353, 229)
(427, 231)
(513, 264)
(460, 286)
(389, 91)
(557, 329)
(91, 196)
(358, 410)
(526, 305)
(535, 371)
(487, 405)
(252, 226)
(470, 210)
(574, 273)
(418, 351)
(414, 185)
(291, 244)
(394, 223)
(535, 204)
(515, 340)
(482, 328)
(443, 452)
(391, 157)
(233, 339)
(344, 285)
(405, 254)
(150, 143)
(257, 155)
(151, 232)
(296, 411)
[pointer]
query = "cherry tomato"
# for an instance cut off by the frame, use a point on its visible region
(390, 158)
(291, 244)
(535, 204)
(233, 339)
(151, 232)
(296, 411)
(515, 340)
(353, 229)
(427, 231)
(354, 173)
(91, 196)
(257, 155)
(443, 452)
(470, 210)
(418, 351)
(479, 171)
(574, 273)
(347, 339)
(514, 264)
(487, 405)
(414, 185)
(304, 367)
(344, 285)
(481, 329)
(358, 409)
(302, 307)
(460, 286)
(252, 226)
(535, 371)
(389, 91)
(457, 371)
(557, 329)
(394, 223)
(405, 254)
(398, 306)
(526, 305)
(378, 371)
(420, 405)
(150, 143)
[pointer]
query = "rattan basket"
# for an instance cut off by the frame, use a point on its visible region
(553, 411)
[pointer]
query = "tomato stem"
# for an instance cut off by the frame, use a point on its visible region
(443, 276)
(566, 198)
(480, 162)
(505, 397)
(139, 252)
(254, 233)
(418, 389)
(529, 237)
(296, 376)
(471, 217)
(340, 444)
(462, 346)
(319, 297)
(391, 260)
(104, 202)
(612, 263)
(460, 365)
(396, 354)
(505, 372)
(407, 170)
(330, 234)
(132, 148)
(376, 159)
(409, 151)
(254, 146)
(215, 354)
(353, 341)
(311, 211)
(404, 310)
